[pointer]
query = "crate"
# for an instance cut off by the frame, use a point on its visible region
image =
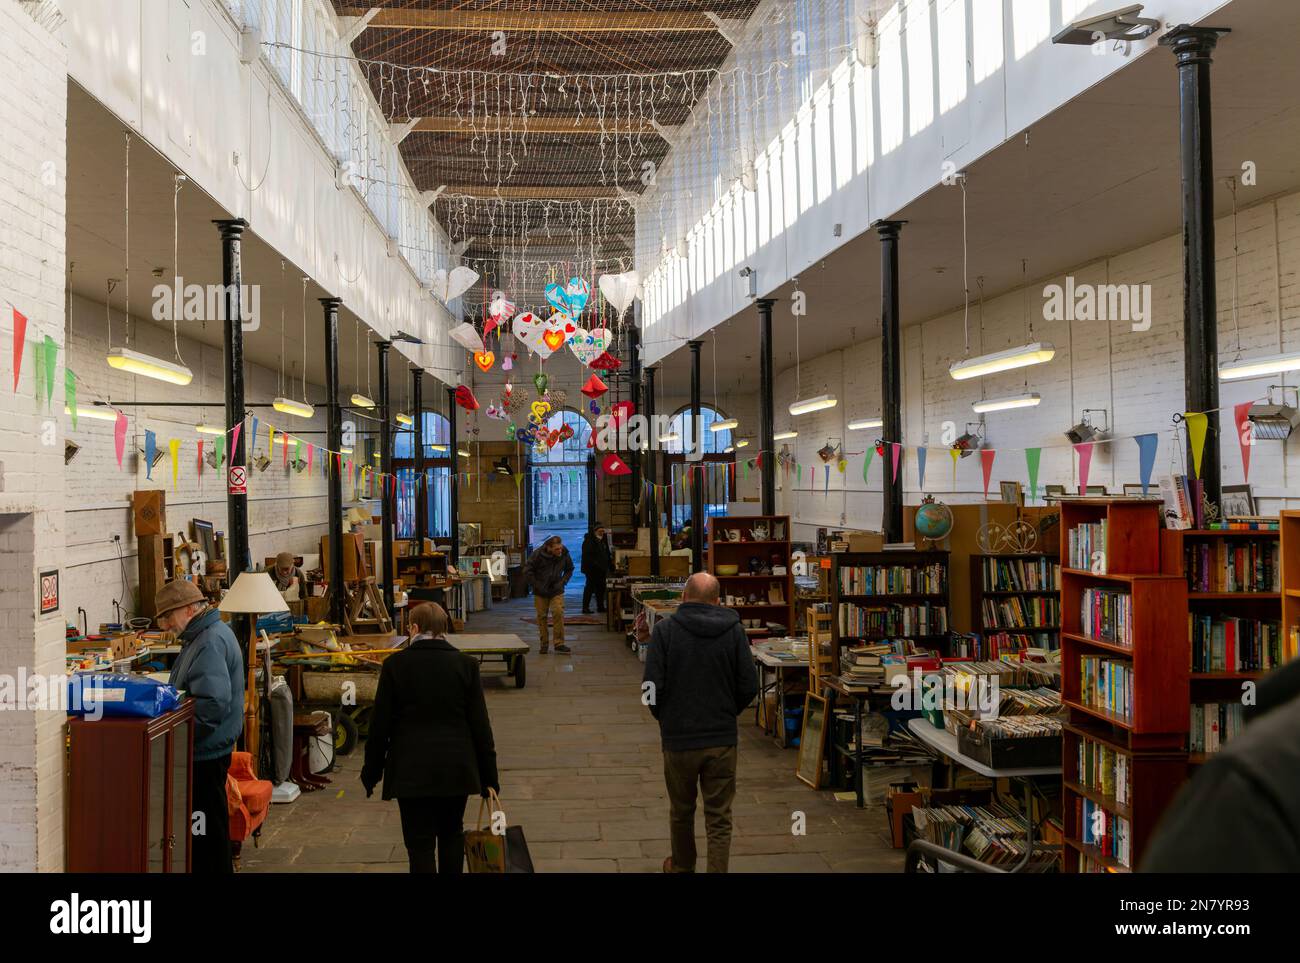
(1021, 753)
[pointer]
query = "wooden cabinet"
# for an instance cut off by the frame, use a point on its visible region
(129, 793)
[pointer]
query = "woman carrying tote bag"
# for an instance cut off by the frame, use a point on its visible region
(431, 741)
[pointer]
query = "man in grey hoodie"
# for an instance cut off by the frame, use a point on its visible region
(210, 671)
(548, 571)
(699, 676)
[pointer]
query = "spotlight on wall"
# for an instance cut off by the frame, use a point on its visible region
(1275, 422)
(1085, 430)
(970, 440)
(211, 458)
(298, 464)
(751, 277)
(1121, 24)
(70, 449)
(260, 461)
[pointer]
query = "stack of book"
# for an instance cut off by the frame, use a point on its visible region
(893, 579)
(1104, 770)
(1234, 644)
(1107, 615)
(1233, 565)
(1083, 541)
(1021, 612)
(1106, 684)
(1213, 724)
(993, 834)
(1040, 574)
(860, 622)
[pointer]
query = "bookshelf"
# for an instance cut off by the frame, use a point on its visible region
(1289, 547)
(890, 571)
(1022, 583)
(1124, 681)
(732, 542)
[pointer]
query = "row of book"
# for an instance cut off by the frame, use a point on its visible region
(1041, 574)
(857, 621)
(1021, 727)
(894, 579)
(1110, 833)
(1106, 684)
(992, 834)
(1233, 565)
(1234, 644)
(1107, 615)
(1083, 542)
(1103, 770)
(1021, 612)
(995, 645)
(1213, 724)
(1183, 508)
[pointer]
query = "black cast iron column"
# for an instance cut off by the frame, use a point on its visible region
(1192, 47)
(652, 469)
(333, 473)
(766, 407)
(634, 393)
(417, 452)
(453, 505)
(387, 495)
(695, 481)
(891, 376)
(233, 342)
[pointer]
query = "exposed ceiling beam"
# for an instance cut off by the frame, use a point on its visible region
(397, 132)
(535, 192)
(356, 21)
(542, 125)
(475, 21)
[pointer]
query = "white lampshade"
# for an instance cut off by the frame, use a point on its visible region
(253, 593)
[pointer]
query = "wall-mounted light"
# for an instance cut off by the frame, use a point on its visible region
(818, 403)
(1121, 24)
(1020, 357)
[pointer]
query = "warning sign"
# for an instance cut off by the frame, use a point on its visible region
(238, 479)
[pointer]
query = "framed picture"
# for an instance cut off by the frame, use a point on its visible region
(1053, 491)
(1011, 493)
(812, 741)
(1236, 500)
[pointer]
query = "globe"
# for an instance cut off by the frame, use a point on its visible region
(933, 520)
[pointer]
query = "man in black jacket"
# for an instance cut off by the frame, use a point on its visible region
(548, 571)
(596, 563)
(699, 675)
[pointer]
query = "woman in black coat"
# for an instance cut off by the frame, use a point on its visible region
(431, 741)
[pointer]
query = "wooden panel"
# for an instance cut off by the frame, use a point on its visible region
(149, 549)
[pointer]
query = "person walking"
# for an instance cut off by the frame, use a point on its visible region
(596, 563)
(210, 671)
(548, 571)
(699, 676)
(431, 742)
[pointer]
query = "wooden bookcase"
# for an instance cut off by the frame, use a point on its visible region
(905, 559)
(731, 542)
(1153, 737)
(980, 590)
(1289, 525)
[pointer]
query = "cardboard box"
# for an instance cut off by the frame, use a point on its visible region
(150, 512)
(866, 542)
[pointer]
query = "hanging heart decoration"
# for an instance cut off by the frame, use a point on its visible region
(540, 381)
(467, 336)
(606, 362)
(611, 464)
(569, 298)
(587, 346)
(528, 327)
(465, 398)
(593, 407)
(621, 290)
(484, 359)
(620, 411)
(553, 438)
(500, 310)
(538, 411)
(566, 432)
(557, 398)
(507, 362)
(553, 338)
(498, 413)
(594, 388)
(447, 286)
(510, 432)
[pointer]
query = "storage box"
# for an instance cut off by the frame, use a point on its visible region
(866, 542)
(150, 512)
(1021, 753)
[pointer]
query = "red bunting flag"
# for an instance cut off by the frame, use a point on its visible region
(200, 462)
(20, 338)
(1245, 435)
(986, 462)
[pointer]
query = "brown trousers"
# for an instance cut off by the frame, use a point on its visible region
(555, 606)
(714, 772)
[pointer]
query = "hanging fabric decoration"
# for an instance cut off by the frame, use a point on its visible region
(51, 359)
(38, 352)
(1197, 423)
(1245, 435)
(606, 362)
(234, 442)
(894, 453)
(613, 465)
(986, 463)
(175, 447)
(150, 443)
(798, 473)
(119, 437)
(956, 454)
(234, 437)
(866, 463)
(1146, 457)
(284, 451)
(198, 464)
(465, 398)
(219, 447)
(594, 388)
(311, 456)
(1085, 462)
(540, 381)
(826, 479)
(70, 394)
(1032, 456)
(920, 467)
(20, 337)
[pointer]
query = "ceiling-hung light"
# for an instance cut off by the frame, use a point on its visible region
(1085, 431)
(203, 428)
(725, 425)
(670, 438)
(1275, 422)
(98, 412)
(1029, 400)
(138, 363)
(462, 452)
(1240, 368)
(1021, 357)
(785, 435)
(742, 442)
(362, 401)
(288, 406)
(808, 405)
(862, 423)
(345, 451)
(442, 449)
(729, 449)
(404, 419)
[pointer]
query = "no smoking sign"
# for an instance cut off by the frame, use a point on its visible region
(238, 480)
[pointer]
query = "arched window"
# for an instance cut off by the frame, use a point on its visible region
(716, 445)
(438, 459)
(682, 425)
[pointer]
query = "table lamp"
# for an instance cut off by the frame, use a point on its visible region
(254, 594)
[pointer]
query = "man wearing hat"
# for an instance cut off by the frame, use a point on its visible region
(287, 575)
(210, 671)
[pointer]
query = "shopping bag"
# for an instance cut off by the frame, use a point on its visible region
(488, 852)
(115, 694)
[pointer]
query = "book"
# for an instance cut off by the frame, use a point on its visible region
(1107, 615)
(1085, 541)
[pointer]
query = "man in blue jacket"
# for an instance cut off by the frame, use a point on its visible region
(209, 670)
(699, 675)
(548, 571)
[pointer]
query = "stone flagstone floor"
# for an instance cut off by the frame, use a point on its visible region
(582, 772)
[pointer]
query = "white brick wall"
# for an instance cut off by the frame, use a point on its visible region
(32, 180)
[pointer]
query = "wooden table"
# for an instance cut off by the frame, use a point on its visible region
(766, 660)
(507, 648)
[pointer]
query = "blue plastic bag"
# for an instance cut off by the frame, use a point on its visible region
(110, 694)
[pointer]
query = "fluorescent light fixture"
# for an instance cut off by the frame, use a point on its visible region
(439, 448)
(345, 451)
(462, 452)
(729, 449)
(361, 401)
(866, 423)
(375, 456)
(808, 405)
(1021, 357)
(287, 406)
(98, 412)
(404, 419)
(785, 435)
(205, 429)
(283, 439)
(1258, 367)
(134, 362)
(1029, 400)
(742, 442)
(669, 438)
(726, 425)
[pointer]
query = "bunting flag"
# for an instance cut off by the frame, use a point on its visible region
(311, 457)
(219, 446)
(149, 445)
(1032, 457)
(986, 463)
(1085, 462)
(1245, 435)
(234, 441)
(826, 483)
(895, 450)
(1146, 457)
(38, 350)
(119, 438)
(955, 455)
(70, 394)
(198, 466)
(284, 455)
(20, 338)
(920, 467)
(251, 434)
(519, 477)
(175, 446)
(866, 462)
(1197, 423)
(51, 358)
(799, 474)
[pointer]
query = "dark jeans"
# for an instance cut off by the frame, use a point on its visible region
(714, 772)
(595, 586)
(210, 850)
(431, 822)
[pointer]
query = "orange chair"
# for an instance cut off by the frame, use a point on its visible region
(248, 799)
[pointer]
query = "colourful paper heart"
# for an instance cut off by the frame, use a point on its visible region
(540, 381)
(465, 398)
(587, 346)
(539, 409)
(613, 465)
(576, 293)
(553, 339)
(507, 362)
(484, 359)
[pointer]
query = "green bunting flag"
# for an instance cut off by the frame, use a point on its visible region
(1031, 461)
(51, 358)
(70, 394)
(220, 445)
(866, 462)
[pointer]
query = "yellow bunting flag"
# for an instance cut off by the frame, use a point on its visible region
(956, 453)
(1196, 425)
(175, 446)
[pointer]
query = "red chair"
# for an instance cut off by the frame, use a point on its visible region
(248, 799)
